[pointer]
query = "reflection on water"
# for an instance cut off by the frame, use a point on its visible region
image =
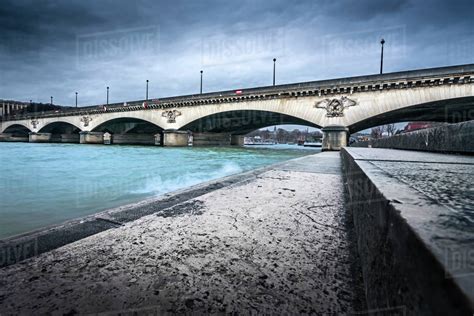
(44, 184)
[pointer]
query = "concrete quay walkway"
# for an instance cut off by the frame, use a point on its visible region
(280, 242)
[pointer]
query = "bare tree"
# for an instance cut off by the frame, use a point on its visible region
(377, 132)
(390, 129)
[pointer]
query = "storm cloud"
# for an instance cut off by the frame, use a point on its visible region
(55, 48)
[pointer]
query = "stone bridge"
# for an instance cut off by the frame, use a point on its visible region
(338, 106)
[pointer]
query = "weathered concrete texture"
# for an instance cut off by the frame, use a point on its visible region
(413, 216)
(91, 137)
(276, 244)
(174, 138)
(454, 138)
(39, 137)
(334, 137)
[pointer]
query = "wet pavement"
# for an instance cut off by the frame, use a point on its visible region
(279, 243)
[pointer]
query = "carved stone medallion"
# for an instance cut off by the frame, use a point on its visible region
(335, 107)
(86, 119)
(171, 115)
(34, 122)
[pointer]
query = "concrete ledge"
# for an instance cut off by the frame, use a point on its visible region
(403, 265)
(454, 138)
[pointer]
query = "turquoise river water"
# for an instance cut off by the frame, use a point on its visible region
(45, 184)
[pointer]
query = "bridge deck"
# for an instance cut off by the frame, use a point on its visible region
(339, 85)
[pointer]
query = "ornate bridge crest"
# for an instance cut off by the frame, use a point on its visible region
(34, 122)
(335, 107)
(86, 120)
(171, 115)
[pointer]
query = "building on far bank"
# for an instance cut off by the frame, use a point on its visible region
(414, 126)
(9, 107)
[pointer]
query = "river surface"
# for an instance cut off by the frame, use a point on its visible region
(45, 184)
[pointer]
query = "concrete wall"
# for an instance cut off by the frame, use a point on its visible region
(211, 139)
(70, 138)
(399, 269)
(6, 137)
(455, 138)
(133, 139)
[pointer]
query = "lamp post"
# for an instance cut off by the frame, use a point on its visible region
(51, 100)
(146, 90)
(201, 83)
(381, 56)
(274, 63)
(107, 95)
(76, 100)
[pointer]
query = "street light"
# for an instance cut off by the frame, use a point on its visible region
(201, 83)
(381, 56)
(31, 107)
(107, 95)
(146, 90)
(274, 62)
(76, 100)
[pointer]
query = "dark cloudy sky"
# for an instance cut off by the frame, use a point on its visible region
(52, 47)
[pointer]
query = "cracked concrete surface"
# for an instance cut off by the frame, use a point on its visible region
(280, 243)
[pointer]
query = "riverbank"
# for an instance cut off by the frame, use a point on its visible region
(278, 241)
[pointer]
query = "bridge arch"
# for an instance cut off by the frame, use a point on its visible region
(450, 110)
(131, 131)
(127, 125)
(241, 122)
(17, 129)
(60, 127)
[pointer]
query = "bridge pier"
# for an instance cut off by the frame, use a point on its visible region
(211, 139)
(39, 137)
(174, 138)
(237, 140)
(334, 137)
(91, 138)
